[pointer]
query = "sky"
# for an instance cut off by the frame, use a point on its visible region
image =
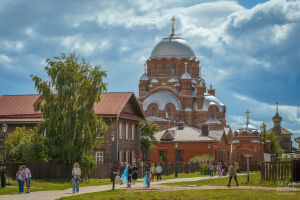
(248, 50)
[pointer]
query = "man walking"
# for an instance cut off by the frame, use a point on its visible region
(158, 172)
(28, 178)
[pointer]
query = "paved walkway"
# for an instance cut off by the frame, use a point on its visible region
(56, 194)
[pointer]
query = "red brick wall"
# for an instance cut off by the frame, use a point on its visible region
(190, 149)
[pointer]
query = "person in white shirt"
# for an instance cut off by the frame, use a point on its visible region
(28, 178)
(76, 173)
(158, 172)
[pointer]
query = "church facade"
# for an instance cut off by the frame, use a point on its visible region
(191, 119)
(172, 89)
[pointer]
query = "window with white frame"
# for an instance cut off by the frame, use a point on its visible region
(99, 157)
(120, 130)
(120, 156)
(132, 131)
(126, 132)
(127, 156)
(133, 156)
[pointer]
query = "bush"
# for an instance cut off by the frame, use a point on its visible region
(202, 159)
(204, 170)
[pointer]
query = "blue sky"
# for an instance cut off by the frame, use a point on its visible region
(248, 50)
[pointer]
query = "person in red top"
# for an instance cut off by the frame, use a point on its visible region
(232, 173)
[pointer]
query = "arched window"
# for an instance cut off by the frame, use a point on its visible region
(155, 69)
(164, 69)
(191, 69)
(182, 68)
(212, 113)
(153, 111)
(173, 68)
(168, 112)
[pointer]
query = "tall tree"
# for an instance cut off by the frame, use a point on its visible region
(67, 106)
(148, 130)
(272, 137)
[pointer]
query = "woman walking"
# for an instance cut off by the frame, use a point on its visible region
(124, 178)
(158, 172)
(219, 167)
(147, 179)
(232, 173)
(134, 173)
(21, 175)
(76, 173)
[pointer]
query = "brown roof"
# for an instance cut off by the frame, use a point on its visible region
(21, 107)
(279, 131)
(16, 105)
(112, 103)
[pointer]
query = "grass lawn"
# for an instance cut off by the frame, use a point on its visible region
(182, 175)
(51, 184)
(242, 179)
(186, 195)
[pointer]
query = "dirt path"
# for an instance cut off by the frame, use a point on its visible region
(155, 186)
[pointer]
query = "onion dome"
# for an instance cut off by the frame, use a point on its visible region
(186, 75)
(144, 77)
(172, 47)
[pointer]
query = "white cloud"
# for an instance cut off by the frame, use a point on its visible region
(291, 112)
(5, 59)
(13, 45)
(83, 44)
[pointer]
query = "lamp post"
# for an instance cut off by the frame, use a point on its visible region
(112, 137)
(176, 169)
(209, 145)
(3, 178)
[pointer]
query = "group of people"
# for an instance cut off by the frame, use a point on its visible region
(129, 174)
(223, 170)
(23, 176)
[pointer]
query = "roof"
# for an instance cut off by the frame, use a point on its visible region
(17, 105)
(189, 134)
(112, 103)
(172, 47)
(20, 108)
(280, 131)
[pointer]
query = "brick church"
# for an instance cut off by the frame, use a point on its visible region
(191, 119)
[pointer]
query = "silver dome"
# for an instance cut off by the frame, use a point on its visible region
(172, 47)
(186, 75)
(144, 77)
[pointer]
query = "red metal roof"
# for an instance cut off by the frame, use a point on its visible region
(112, 103)
(21, 107)
(18, 104)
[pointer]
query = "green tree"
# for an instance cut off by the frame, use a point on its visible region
(272, 137)
(24, 145)
(148, 130)
(67, 107)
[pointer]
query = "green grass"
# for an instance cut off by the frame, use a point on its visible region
(51, 184)
(255, 180)
(182, 175)
(188, 195)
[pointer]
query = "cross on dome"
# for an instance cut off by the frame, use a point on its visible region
(276, 107)
(173, 19)
(247, 112)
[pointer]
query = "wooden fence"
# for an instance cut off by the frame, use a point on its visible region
(276, 171)
(41, 170)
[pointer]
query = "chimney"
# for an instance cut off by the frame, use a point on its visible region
(268, 146)
(204, 130)
(180, 125)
